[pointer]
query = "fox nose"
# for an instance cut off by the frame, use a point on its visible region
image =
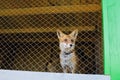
(71, 45)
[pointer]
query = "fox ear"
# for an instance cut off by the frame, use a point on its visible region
(60, 33)
(74, 33)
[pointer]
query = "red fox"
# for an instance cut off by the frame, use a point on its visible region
(68, 58)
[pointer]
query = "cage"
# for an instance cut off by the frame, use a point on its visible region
(28, 39)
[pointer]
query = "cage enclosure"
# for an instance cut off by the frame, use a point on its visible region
(28, 39)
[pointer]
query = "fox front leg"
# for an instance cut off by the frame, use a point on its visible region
(73, 70)
(65, 70)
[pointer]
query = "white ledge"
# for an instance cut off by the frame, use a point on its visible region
(27, 75)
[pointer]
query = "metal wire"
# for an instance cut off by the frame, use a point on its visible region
(28, 39)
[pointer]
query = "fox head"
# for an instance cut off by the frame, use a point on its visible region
(67, 42)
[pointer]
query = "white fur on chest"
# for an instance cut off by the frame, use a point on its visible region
(66, 60)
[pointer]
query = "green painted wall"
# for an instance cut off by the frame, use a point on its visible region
(111, 29)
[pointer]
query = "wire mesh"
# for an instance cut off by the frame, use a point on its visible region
(28, 39)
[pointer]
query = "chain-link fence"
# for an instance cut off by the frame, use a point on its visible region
(28, 39)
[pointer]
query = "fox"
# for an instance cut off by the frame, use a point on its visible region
(68, 57)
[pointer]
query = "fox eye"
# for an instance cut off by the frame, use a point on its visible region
(72, 40)
(65, 40)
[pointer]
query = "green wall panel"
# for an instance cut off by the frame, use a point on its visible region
(111, 27)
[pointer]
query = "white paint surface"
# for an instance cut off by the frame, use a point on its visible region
(27, 75)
